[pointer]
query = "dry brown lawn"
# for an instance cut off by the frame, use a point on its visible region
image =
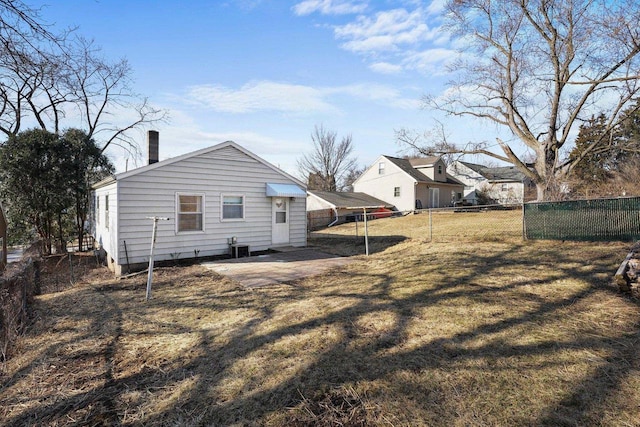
(458, 334)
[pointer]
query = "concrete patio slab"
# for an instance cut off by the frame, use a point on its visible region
(280, 267)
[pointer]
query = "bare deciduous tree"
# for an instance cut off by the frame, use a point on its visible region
(428, 143)
(325, 167)
(58, 81)
(539, 68)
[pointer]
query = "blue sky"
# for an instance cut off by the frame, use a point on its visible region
(263, 73)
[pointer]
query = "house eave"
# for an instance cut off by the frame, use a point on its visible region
(109, 180)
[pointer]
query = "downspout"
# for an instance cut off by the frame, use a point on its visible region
(335, 211)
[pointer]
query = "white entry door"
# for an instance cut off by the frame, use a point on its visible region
(435, 197)
(280, 221)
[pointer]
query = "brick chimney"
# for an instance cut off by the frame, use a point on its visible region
(153, 142)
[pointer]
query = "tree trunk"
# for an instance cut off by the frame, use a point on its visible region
(62, 244)
(80, 222)
(540, 191)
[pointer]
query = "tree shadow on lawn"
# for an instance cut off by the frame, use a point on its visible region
(352, 245)
(378, 364)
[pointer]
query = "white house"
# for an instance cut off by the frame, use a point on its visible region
(210, 196)
(410, 184)
(502, 185)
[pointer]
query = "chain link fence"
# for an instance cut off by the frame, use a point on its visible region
(468, 223)
(583, 220)
(586, 220)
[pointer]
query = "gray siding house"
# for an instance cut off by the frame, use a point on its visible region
(210, 196)
(504, 184)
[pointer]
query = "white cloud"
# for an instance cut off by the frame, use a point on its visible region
(436, 7)
(329, 7)
(381, 94)
(407, 38)
(385, 31)
(430, 61)
(290, 98)
(385, 68)
(259, 96)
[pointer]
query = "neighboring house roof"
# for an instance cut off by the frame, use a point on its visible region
(349, 200)
(423, 161)
(407, 166)
(503, 173)
(200, 152)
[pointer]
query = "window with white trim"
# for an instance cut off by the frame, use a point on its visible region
(380, 168)
(396, 191)
(106, 211)
(189, 212)
(232, 207)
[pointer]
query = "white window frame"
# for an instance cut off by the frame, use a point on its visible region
(381, 167)
(244, 207)
(178, 213)
(106, 211)
(396, 191)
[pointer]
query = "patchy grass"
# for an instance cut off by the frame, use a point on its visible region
(441, 226)
(456, 334)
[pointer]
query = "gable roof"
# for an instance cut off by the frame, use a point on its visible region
(349, 200)
(407, 166)
(200, 152)
(502, 173)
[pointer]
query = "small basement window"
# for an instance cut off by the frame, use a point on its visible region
(232, 207)
(190, 212)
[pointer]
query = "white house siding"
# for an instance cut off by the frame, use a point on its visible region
(504, 192)
(223, 171)
(500, 191)
(106, 236)
(316, 204)
(298, 221)
(471, 179)
(381, 186)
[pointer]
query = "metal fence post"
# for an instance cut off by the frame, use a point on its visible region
(153, 244)
(430, 226)
(366, 232)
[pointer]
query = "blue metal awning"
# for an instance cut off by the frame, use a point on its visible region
(285, 190)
